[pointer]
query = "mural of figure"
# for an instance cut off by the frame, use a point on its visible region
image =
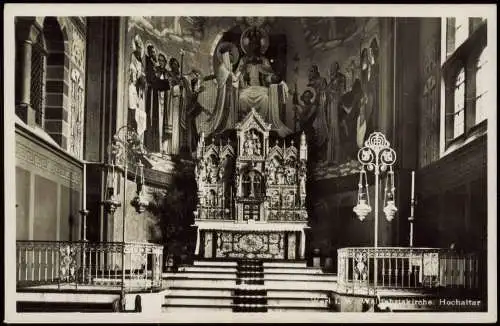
(194, 107)
(174, 116)
(320, 124)
(226, 103)
(307, 111)
(369, 83)
(137, 83)
(349, 110)
(161, 86)
(334, 91)
(151, 135)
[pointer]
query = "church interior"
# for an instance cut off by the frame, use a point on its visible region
(244, 143)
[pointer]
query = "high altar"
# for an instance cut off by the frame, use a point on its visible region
(251, 195)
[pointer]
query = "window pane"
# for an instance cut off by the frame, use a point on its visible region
(458, 124)
(458, 118)
(481, 88)
(461, 30)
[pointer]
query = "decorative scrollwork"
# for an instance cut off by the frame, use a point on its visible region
(377, 154)
(67, 264)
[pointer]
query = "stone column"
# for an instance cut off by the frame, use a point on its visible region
(302, 244)
(25, 111)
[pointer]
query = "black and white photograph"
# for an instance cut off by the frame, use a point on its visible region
(174, 163)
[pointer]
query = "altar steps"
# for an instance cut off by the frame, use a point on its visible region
(247, 286)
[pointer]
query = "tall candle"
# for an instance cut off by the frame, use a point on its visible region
(84, 181)
(412, 185)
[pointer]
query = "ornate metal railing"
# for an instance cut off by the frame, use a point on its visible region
(66, 264)
(404, 268)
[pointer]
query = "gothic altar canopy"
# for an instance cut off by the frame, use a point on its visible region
(251, 195)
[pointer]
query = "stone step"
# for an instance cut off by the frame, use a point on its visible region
(252, 276)
(301, 277)
(221, 301)
(178, 291)
(196, 309)
(297, 302)
(297, 285)
(203, 275)
(287, 309)
(303, 294)
(201, 283)
(198, 300)
(208, 269)
(268, 285)
(200, 310)
(285, 264)
(215, 263)
(292, 270)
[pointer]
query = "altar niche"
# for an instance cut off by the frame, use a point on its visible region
(251, 195)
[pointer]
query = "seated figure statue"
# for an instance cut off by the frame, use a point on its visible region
(252, 85)
(260, 87)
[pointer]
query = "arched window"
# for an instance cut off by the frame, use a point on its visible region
(465, 79)
(481, 88)
(459, 104)
(37, 85)
(252, 184)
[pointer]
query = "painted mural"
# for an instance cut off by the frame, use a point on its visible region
(189, 76)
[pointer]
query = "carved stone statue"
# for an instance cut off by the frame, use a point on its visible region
(280, 176)
(290, 199)
(291, 175)
(275, 199)
(271, 173)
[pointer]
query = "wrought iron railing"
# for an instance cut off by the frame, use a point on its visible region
(63, 264)
(404, 268)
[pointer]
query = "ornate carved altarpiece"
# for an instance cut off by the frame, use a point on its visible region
(251, 195)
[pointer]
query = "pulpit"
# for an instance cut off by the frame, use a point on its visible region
(251, 195)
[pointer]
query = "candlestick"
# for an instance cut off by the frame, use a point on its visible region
(84, 192)
(412, 184)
